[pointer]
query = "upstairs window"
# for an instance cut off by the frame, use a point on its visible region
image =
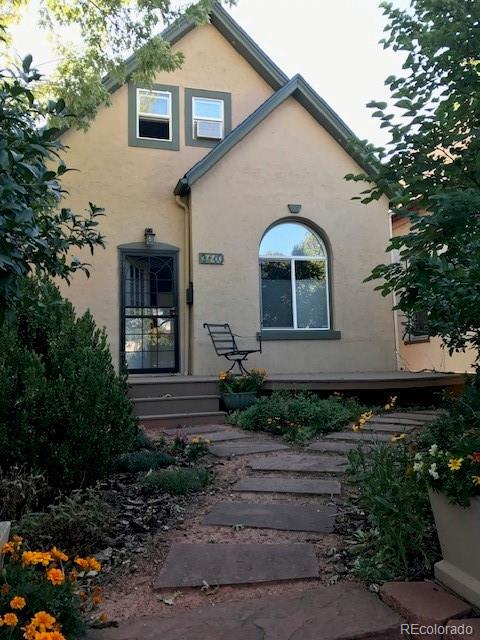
(153, 117)
(208, 118)
(294, 278)
(154, 114)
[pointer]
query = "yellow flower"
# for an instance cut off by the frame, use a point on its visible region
(356, 427)
(387, 407)
(58, 555)
(398, 437)
(55, 576)
(454, 464)
(476, 480)
(10, 620)
(18, 602)
(207, 441)
(195, 440)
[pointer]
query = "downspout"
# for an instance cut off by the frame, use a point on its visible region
(187, 268)
(395, 312)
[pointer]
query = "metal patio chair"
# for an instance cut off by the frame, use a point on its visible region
(225, 345)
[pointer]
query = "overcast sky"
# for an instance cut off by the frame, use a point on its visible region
(332, 43)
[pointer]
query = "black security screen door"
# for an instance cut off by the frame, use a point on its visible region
(150, 320)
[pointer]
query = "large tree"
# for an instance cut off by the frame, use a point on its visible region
(108, 32)
(430, 169)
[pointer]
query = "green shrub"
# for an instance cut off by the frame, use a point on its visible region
(177, 481)
(142, 441)
(63, 408)
(81, 521)
(192, 450)
(142, 461)
(401, 539)
(21, 490)
(298, 416)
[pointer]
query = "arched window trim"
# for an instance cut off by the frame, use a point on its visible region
(327, 331)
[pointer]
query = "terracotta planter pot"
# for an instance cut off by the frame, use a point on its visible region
(243, 400)
(459, 534)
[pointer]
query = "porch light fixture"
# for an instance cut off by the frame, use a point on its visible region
(294, 208)
(149, 237)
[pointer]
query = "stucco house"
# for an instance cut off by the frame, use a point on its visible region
(226, 202)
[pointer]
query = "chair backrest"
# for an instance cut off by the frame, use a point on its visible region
(222, 338)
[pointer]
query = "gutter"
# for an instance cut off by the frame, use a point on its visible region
(188, 279)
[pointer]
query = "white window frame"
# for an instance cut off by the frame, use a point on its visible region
(196, 118)
(155, 116)
(293, 278)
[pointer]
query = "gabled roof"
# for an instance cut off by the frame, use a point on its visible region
(232, 32)
(297, 88)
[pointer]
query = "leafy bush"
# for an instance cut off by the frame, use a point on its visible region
(63, 408)
(142, 461)
(401, 540)
(20, 491)
(142, 441)
(177, 481)
(449, 449)
(298, 416)
(40, 593)
(81, 520)
(192, 450)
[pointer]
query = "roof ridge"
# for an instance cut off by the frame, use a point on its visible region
(306, 95)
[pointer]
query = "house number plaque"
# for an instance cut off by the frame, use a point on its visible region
(210, 258)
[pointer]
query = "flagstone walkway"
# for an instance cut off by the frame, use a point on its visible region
(286, 489)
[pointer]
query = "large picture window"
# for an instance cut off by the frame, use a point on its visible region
(294, 278)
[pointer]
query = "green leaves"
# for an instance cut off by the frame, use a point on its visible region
(35, 236)
(432, 165)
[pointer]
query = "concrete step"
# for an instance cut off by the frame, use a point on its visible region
(168, 405)
(156, 386)
(153, 425)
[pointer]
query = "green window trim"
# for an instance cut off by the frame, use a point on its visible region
(190, 140)
(299, 334)
(133, 139)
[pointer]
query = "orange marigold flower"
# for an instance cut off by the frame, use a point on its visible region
(36, 557)
(43, 619)
(18, 602)
(10, 620)
(7, 547)
(97, 596)
(58, 555)
(82, 563)
(55, 576)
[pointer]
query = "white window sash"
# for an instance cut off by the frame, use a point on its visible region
(213, 119)
(294, 291)
(155, 116)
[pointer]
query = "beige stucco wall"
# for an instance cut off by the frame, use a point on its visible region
(289, 158)
(135, 185)
(429, 355)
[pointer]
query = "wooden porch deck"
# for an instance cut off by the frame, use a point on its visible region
(330, 381)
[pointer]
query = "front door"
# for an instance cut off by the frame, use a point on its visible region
(149, 313)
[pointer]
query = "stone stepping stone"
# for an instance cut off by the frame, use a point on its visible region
(185, 432)
(372, 425)
(331, 446)
(415, 415)
(389, 419)
(359, 436)
(341, 612)
(190, 565)
(282, 516)
(221, 436)
(300, 463)
(281, 484)
(230, 449)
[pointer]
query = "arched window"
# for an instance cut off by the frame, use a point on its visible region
(294, 278)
